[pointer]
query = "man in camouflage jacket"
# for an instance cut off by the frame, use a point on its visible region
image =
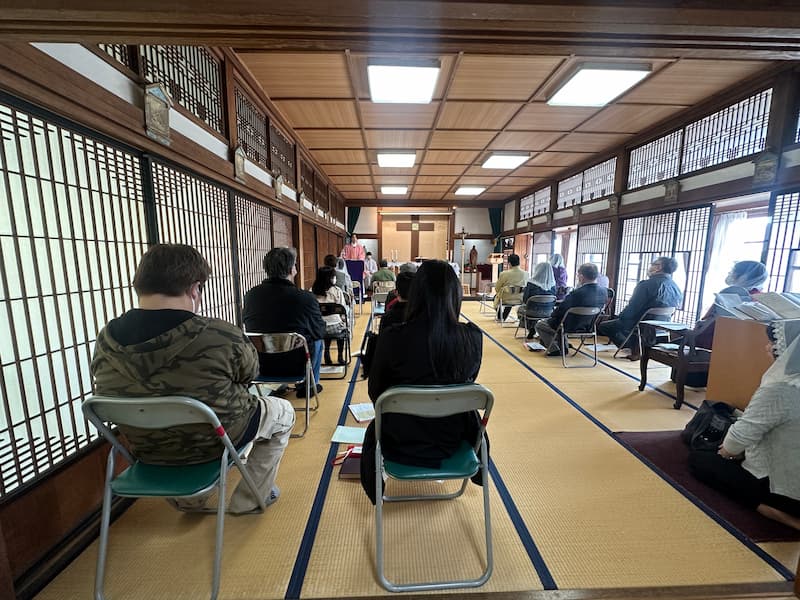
(164, 348)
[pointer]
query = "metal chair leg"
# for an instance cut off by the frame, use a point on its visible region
(105, 522)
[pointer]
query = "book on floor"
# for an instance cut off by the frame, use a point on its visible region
(351, 467)
(535, 346)
(348, 435)
(362, 412)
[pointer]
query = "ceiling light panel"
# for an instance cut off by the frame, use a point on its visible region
(597, 85)
(412, 83)
(394, 190)
(468, 190)
(505, 161)
(396, 159)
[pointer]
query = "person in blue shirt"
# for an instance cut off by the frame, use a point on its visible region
(655, 292)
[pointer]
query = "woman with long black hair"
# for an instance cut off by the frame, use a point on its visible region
(431, 348)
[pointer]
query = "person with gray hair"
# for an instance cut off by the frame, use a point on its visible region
(409, 267)
(277, 306)
(655, 292)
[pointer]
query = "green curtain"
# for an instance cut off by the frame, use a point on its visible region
(352, 218)
(496, 221)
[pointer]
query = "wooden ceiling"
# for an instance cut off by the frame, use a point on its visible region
(499, 58)
(483, 103)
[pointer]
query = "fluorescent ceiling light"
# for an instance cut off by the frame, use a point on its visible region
(597, 85)
(412, 83)
(505, 161)
(467, 190)
(394, 190)
(396, 159)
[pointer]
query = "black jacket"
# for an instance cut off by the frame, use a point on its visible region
(277, 306)
(656, 292)
(402, 358)
(588, 295)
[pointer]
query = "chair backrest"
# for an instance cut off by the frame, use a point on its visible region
(332, 308)
(581, 311)
(281, 354)
(659, 311)
(433, 401)
(383, 286)
(542, 299)
(380, 297)
(160, 412)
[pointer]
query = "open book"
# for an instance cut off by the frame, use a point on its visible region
(534, 346)
(784, 305)
(363, 412)
(733, 305)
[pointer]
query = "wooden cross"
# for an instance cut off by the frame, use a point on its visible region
(415, 227)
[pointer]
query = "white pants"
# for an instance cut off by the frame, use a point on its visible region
(275, 426)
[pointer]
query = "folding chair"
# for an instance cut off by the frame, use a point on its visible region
(535, 305)
(486, 297)
(510, 290)
(665, 311)
(332, 308)
(377, 309)
(285, 358)
(564, 335)
(434, 401)
(142, 480)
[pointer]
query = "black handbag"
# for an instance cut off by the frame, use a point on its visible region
(708, 426)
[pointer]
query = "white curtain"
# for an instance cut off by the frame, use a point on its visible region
(722, 249)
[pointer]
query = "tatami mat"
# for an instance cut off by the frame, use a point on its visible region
(599, 517)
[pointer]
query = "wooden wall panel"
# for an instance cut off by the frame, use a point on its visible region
(309, 258)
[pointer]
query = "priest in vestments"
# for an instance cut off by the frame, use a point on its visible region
(354, 250)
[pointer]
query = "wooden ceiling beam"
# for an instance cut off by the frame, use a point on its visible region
(659, 28)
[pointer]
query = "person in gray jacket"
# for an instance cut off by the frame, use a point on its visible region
(758, 462)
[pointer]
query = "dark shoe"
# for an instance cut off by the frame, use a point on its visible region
(327, 359)
(530, 335)
(301, 391)
(634, 357)
(281, 391)
(556, 352)
(341, 361)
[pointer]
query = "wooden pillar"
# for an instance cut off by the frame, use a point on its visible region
(614, 245)
(6, 578)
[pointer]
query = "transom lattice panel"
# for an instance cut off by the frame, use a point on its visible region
(196, 212)
(282, 236)
(783, 248)
(193, 76)
(251, 125)
(72, 230)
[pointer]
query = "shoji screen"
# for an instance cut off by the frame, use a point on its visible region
(593, 245)
(783, 248)
(72, 230)
(196, 212)
(682, 234)
(253, 241)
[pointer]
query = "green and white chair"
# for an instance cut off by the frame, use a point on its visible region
(434, 401)
(142, 480)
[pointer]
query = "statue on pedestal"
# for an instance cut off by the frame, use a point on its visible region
(473, 258)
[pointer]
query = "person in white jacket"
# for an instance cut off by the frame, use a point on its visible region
(758, 462)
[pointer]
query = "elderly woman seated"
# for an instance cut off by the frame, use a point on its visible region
(541, 283)
(758, 463)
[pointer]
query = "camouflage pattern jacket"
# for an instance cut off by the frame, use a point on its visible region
(203, 358)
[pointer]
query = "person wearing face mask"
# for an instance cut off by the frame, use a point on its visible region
(758, 462)
(745, 280)
(165, 348)
(655, 292)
